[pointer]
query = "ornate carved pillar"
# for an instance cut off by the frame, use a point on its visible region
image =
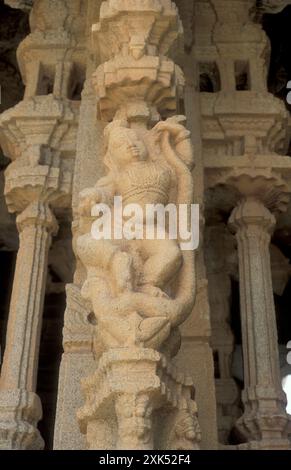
(244, 137)
(20, 407)
(136, 398)
(33, 183)
(264, 420)
(38, 134)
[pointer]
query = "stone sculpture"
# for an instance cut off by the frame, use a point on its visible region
(133, 276)
(140, 290)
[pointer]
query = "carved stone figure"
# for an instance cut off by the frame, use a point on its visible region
(129, 280)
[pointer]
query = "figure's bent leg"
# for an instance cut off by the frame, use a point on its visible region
(122, 270)
(103, 254)
(164, 260)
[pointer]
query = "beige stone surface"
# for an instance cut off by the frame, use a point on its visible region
(147, 346)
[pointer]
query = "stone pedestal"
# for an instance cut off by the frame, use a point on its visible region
(131, 398)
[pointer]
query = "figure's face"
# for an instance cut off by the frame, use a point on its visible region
(125, 147)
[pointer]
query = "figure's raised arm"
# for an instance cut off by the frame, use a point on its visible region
(102, 192)
(179, 139)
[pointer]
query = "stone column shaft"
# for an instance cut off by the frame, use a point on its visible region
(19, 370)
(257, 304)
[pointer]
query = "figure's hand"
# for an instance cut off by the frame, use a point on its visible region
(174, 125)
(87, 199)
(179, 138)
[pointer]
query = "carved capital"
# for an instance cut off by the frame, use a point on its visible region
(32, 134)
(234, 22)
(37, 175)
(37, 214)
(250, 214)
(133, 39)
(134, 28)
(143, 89)
(267, 184)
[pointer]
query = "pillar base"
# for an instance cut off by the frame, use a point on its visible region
(138, 400)
(265, 432)
(282, 444)
(20, 412)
